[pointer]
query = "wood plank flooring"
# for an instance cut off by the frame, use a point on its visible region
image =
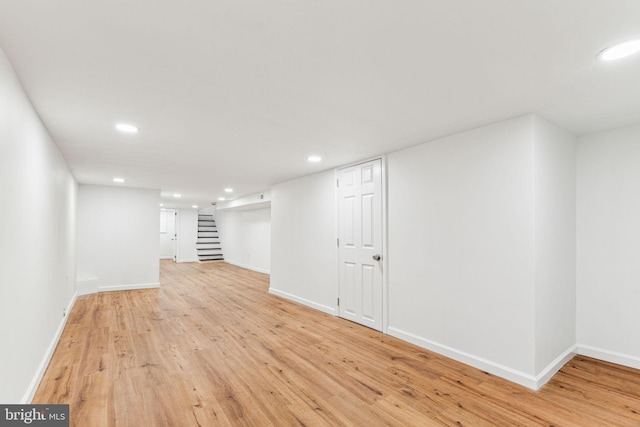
(212, 348)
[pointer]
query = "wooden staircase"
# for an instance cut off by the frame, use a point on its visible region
(208, 243)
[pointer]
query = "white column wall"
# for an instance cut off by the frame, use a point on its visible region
(608, 274)
(245, 236)
(554, 185)
(461, 253)
(118, 237)
(304, 252)
(230, 232)
(37, 243)
(481, 259)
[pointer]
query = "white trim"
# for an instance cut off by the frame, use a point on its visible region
(502, 371)
(336, 233)
(609, 356)
(323, 308)
(248, 267)
(174, 241)
(42, 368)
(187, 260)
(128, 287)
(87, 286)
(545, 375)
(384, 246)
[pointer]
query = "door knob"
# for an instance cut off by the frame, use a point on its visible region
(377, 257)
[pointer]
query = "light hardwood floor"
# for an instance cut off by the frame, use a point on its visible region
(212, 347)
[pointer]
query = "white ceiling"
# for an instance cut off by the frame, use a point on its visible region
(237, 93)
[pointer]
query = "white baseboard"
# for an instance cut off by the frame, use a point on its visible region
(166, 257)
(609, 356)
(187, 260)
(128, 287)
(42, 368)
(518, 377)
(249, 267)
(543, 377)
(323, 308)
(87, 286)
(92, 286)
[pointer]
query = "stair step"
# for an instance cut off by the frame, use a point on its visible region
(208, 244)
(209, 252)
(211, 258)
(207, 234)
(206, 252)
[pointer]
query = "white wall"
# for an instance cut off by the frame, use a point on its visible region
(37, 244)
(304, 254)
(187, 235)
(245, 236)
(251, 201)
(461, 257)
(555, 243)
(481, 246)
(609, 245)
(118, 237)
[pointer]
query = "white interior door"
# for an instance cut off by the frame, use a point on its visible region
(168, 234)
(360, 243)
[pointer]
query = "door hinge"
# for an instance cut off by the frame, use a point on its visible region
(338, 242)
(338, 302)
(338, 183)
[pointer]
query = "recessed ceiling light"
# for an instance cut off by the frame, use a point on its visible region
(221, 199)
(194, 206)
(228, 190)
(314, 159)
(620, 51)
(177, 195)
(124, 127)
(161, 204)
(118, 180)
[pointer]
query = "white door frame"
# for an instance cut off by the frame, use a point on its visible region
(174, 239)
(384, 246)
